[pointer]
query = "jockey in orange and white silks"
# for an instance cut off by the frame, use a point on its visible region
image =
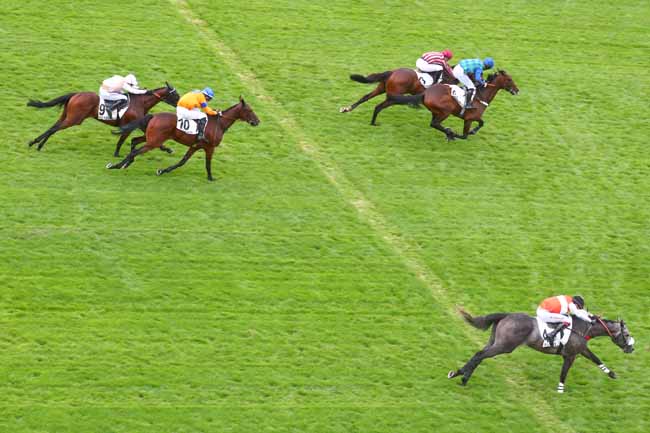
(113, 88)
(558, 308)
(194, 106)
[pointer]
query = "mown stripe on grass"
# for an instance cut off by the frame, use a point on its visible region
(409, 254)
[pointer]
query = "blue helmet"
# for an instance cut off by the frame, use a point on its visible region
(488, 62)
(208, 92)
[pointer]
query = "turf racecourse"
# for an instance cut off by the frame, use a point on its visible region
(312, 286)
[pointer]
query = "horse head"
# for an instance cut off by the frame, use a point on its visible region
(502, 80)
(619, 333)
(247, 114)
(168, 94)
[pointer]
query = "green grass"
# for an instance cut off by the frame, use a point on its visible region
(272, 299)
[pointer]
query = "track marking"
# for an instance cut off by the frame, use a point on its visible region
(366, 210)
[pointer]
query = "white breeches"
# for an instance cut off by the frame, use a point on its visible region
(184, 113)
(459, 73)
(548, 317)
(422, 65)
(111, 96)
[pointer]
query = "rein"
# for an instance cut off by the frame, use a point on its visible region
(605, 326)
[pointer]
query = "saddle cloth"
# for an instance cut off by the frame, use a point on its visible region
(561, 337)
(458, 94)
(188, 126)
(104, 114)
(424, 78)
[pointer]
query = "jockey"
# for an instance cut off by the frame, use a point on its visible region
(557, 309)
(194, 106)
(113, 88)
(434, 62)
(473, 67)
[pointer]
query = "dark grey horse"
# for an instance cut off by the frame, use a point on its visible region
(514, 329)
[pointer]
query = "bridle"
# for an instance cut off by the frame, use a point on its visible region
(614, 339)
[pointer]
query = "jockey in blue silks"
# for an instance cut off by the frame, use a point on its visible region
(474, 68)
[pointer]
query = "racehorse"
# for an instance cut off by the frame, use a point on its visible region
(79, 106)
(162, 126)
(511, 330)
(396, 82)
(441, 104)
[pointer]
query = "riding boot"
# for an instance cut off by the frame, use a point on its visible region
(468, 99)
(200, 125)
(550, 337)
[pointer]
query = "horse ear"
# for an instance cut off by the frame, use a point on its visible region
(242, 100)
(167, 84)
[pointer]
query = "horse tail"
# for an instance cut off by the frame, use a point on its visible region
(56, 101)
(372, 78)
(412, 100)
(132, 126)
(482, 322)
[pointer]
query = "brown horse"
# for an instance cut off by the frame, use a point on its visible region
(441, 104)
(397, 82)
(162, 126)
(77, 107)
(511, 330)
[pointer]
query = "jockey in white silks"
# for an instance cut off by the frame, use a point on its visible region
(113, 88)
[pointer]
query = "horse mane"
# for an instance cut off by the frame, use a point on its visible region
(494, 76)
(230, 108)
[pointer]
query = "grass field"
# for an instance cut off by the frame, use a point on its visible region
(313, 286)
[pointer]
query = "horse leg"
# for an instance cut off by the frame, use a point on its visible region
(118, 146)
(209, 150)
(185, 158)
(378, 108)
(488, 352)
(466, 127)
(568, 362)
(436, 123)
(593, 358)
(130, 157)
(44, 136)
(480, 125)
(378, 91)
(65, 121)
(166, 149)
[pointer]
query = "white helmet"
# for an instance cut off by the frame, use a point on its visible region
(131, 80)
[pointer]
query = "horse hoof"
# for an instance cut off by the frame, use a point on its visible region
(159, 172)
(170, 150)
(612, 375)
(109, 165)
(344, 110)
(451, 374)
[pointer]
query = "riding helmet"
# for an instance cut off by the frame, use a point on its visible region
(579, 301)
(131, 80)
(208, 92)
(447, 54)
(488, 62)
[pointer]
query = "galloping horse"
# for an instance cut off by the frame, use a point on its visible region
(514, 329)
(162, 126)
(397, 82)
(79, 106)
(441, 104)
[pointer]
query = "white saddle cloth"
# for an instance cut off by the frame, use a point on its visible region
(102, 112)
(188, 126)
(425, 79)
(561, 337)
(458, 93)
